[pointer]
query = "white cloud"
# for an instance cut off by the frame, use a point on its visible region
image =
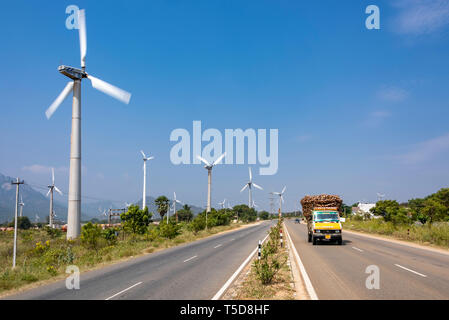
(392, 94)
(7, 186)
(420, 17)
(426, 150)
(376, 118)
(40, 169)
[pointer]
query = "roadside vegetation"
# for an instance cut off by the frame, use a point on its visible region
(270, 276)
(423, 220)
(44, 253)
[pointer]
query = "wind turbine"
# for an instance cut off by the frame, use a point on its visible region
(174, 206)
(36, 218)
(128, 204)
(281, 199)
(380, 196)
(21, 204)
(74, 202)
(209, 167)
(222, 204)
(145, 159)
(255, 205)
(50, 192)
(249, 185)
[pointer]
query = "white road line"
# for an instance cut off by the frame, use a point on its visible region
(305, 276)
(115, 295)
(236, 273)
(355, 248)
(232, 239)
(217, 246)
(419, 274)
(190, 258)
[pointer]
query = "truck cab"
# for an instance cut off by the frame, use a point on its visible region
(325, 226)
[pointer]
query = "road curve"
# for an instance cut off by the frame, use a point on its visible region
(196, 270)
(339, 272)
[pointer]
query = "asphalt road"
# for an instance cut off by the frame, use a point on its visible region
(338, 272)
(196, 270)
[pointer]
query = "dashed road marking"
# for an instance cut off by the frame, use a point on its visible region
(119, 293)
(412, 271)
(190, 258)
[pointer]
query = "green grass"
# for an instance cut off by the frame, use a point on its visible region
(437, 234)
(37, 261)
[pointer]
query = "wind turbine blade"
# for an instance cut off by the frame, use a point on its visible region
(178, 201)
(52, 176)
(219, 159)
(276, 193)
(68, 88)
(283, 190)
(82, 35)
(282, 198)
(59, 191)
(174, 195)
(204, 160)
(150, 158)
(110, 90)
(257, 186)
(244, 187)
(143, 154)
(48, 192)
(250, 174)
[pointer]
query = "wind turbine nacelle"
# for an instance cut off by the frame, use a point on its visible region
(72, 73)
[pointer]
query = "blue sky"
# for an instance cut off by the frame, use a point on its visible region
(358, 111)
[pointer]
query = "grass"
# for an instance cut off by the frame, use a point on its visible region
(40, 257)
(437, 234)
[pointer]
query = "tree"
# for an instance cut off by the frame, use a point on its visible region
(245, 213)
(136, 220)
(185, 214)
(163, 204)
(22, 223)
(264, 215)
(90, 234)
(386, 209)
(433, 210)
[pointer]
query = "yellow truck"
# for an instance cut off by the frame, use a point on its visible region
(325, 225)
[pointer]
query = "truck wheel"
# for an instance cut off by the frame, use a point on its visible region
(314, 241)
(310, 238)
(340, 242)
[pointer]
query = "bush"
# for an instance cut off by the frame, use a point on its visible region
(110, 235)
(169, 230)
(90, 235)
(198, 224)
(53, 232)
(136, 220)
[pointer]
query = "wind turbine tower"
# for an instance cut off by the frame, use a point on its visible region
(51, 188)
(144, 197)
(249, 185)
(76, 76)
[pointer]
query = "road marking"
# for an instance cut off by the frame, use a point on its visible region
(232, 239)
(355, 248)
(217, 246)
(236, 273)
(190, 258)
(419, 274)
(115, 295)
(305, 276)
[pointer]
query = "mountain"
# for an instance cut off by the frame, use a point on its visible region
(38, 204)
(35, 202)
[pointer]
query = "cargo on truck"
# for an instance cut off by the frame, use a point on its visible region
(322, 213)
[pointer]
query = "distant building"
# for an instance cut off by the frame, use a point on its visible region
(363, 209)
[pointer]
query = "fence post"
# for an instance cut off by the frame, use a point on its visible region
(260, 250)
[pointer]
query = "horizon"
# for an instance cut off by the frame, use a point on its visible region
(358, 111)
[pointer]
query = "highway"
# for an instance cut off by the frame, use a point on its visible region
(338, 272)
(196, 270)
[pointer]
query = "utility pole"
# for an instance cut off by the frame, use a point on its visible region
(17, 183)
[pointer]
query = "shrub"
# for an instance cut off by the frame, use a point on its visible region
(53, 232)
(169, 230)
(90, 235)
(110, 235)
(198, 224)
(136, 220)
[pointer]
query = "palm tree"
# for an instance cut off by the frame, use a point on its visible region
(162, 203)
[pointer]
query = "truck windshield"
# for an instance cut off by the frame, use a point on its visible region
(327, 216)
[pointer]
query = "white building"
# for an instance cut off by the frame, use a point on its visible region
(363, 209)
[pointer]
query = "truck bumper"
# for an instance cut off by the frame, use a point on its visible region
(328, 237)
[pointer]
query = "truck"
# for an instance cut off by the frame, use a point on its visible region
(322, 213)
